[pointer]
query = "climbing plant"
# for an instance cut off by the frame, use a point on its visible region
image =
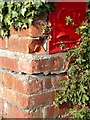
(76, 88)
(21, 14)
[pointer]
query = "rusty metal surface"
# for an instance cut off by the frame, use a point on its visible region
(64, 36)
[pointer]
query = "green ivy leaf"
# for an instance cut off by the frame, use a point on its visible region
(23, 10)
(14, 14)
(7, 19)
(30, 21)
(17, 24)
(85, 98)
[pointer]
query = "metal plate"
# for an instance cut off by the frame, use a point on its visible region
(64, 36)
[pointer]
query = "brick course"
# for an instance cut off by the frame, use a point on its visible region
(35, 63)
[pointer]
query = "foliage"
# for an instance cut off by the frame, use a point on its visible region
(76, 89)
(21, 14)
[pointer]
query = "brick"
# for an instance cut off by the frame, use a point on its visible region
(13, 31)
(10, 111)
(36, 46)
(35, 87)
(8, 63)
(41, 65)
(7, 110)
(22, 101)
(1, 108)
(32, 66)
(18, 113)
(63, 109)
(47, 83)
(41, 99)
(56, 79)
(25, 45)
(51, 64)
(15, 83)
(7, 93)
(3, 43)
(13, 97)
(20, 83)
(34, 30)
(18, 45)
(58, 63)
(53, 112)
(37, 114)
(50, 112)
(1, 77)
(22, 66)
(42, 17)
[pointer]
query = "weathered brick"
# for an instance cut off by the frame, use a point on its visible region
(1, 108)
(18, 44)
(1, 77)
(63, 109)
(3, 43)
(42, 17)
(41, 65)
(47, 83)
(15, 83)
(7, 110)
(41, 99)
(50, 112)
(36, 46)
(57, 78)
(52, 64)
(53, 112)
(18, 113)
(34, 87)
(22, 83)
(34, 30)
(13, 97)
(37, 114)
(8, 63)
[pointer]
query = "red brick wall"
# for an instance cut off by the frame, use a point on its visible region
(29, 76)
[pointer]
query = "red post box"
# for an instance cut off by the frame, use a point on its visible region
(64, 36)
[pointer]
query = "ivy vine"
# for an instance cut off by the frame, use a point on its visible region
(21, 14)
(76, 89)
